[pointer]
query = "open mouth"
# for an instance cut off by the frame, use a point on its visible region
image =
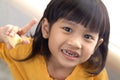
(70, 53)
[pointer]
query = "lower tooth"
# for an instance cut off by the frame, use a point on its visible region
(69, 54)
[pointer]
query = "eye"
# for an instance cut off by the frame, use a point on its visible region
(67, 29)
(87, 36)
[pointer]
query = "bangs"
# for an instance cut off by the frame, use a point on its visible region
(89, 15)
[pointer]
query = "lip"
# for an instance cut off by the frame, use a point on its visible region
(70, 54)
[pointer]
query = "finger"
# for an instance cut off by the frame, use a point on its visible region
(25, 40)
(11, 30)
(8, 44)
(27, 27)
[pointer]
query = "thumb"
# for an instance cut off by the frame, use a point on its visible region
(27, 27)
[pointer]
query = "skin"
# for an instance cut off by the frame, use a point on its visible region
(11, 30)
(70, 44)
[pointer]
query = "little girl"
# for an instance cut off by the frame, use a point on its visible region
(70, 43)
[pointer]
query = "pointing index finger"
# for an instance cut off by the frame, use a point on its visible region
(27, 27)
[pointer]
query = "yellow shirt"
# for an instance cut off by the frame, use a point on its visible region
(35, 68)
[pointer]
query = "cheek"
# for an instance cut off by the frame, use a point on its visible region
(54, 43)
(87, 52)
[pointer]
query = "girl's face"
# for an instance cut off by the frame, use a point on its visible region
(70, 43)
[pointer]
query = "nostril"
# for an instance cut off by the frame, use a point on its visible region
(74, 45)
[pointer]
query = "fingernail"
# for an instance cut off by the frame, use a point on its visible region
(26, 41)
(12, 34)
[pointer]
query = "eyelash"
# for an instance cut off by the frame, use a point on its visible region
(87, 36)
(67, 29)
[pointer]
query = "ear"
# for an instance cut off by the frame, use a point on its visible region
(100, 41)
(45, 28)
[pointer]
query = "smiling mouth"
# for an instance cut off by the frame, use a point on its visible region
(70, 53)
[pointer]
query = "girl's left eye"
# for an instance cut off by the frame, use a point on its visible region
(87, 36)
(67, 29)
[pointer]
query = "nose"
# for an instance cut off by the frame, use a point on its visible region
(75, 42)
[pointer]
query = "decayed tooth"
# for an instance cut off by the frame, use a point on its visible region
(70, 53)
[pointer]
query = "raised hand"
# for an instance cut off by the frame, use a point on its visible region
(11, 31)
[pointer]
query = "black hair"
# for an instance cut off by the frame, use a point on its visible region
(90, 13)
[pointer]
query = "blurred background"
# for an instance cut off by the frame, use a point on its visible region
(20, 12)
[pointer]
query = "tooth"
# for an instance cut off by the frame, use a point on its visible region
(69, 53)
